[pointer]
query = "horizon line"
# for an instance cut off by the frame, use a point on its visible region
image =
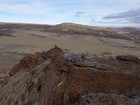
(34, 23)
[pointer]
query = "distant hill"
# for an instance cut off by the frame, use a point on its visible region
(72, 29)
(78, 29)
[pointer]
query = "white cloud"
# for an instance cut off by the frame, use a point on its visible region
(55, 11)
(131, 16)
(27, 7)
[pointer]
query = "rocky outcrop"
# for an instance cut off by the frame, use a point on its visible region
(26, 63)
(48, 79)
(128, 58)
(33, 60)
(84, 81)
(108, 99)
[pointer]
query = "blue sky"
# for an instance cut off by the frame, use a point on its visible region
(89, 12)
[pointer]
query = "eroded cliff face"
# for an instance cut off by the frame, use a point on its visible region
(49, 79)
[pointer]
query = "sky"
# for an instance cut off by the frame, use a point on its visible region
(114, 13)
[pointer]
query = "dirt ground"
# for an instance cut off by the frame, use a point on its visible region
(29, 41)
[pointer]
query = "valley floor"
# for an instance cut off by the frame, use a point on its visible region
(30, 41)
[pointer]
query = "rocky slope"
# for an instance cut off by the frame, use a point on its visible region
(71, 29)
(58, 78)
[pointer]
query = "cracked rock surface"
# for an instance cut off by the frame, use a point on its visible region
(48, 79)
